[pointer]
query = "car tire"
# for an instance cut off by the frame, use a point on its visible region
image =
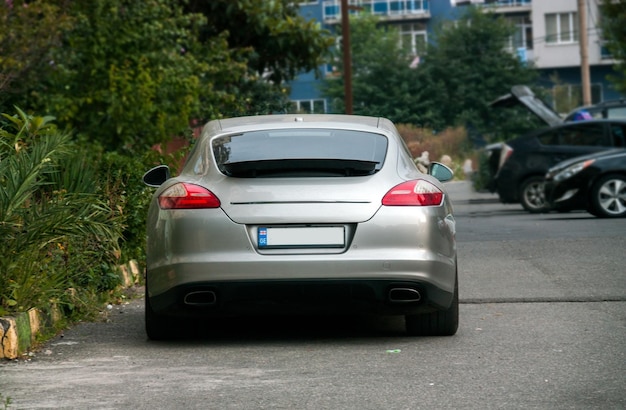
(532, 195)
(608, 197)
(156, 324)
(439, 323)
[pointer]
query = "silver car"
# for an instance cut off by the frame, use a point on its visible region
(301, 214)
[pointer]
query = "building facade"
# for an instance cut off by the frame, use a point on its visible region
(546, 36)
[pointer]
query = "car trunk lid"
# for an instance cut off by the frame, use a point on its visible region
(300, 200)
(521, 94)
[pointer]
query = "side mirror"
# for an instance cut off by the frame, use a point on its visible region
(440, 171)
(156, 176)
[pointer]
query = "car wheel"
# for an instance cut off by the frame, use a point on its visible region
(608, 197)
(439, 323)
(532, 195)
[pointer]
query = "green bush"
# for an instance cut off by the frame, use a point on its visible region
(121, 173)
(60, 233)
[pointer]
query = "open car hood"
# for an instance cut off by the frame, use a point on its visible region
(521, 94)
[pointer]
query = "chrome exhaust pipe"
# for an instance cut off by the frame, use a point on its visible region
(200, 298)
(404, 295)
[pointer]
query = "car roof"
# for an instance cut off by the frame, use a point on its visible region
(608, 153)
(242, 124)
(594, 120)
(534, 133)
(603, 104)
(579, 123)
(599, 107)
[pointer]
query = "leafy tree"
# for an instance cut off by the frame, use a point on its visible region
(30, 29)
(382, 82)
(280, 42)
(466, 67)
(129, 74)
(613, 26)
(275, 45)
(132, 74)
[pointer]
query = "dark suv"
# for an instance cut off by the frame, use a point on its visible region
(525, 160)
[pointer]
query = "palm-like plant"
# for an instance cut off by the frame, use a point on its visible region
(59, 234)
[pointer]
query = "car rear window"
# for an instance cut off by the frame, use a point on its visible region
(579, 134)
(300, 152)
(616, 112)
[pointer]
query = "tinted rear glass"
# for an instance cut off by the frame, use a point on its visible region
(580, 134)
(298, 149)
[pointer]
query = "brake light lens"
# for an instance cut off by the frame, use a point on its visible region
(414, 193)
(187, 196)
(505, 154)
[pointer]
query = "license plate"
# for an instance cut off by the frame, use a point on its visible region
(306, 236)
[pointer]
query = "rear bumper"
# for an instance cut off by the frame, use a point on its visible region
(384, 297)
(220, 260)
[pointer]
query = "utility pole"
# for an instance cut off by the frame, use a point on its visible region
(584, 53)
(347, 58)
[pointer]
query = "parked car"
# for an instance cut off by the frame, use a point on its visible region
(605, 109)
(524, 161)
(299, 214)
(595, 183)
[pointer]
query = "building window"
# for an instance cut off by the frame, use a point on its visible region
(308, 106)
(523, 35)
(561, 28)
(413, 37)
(332, 8)
(605, 53)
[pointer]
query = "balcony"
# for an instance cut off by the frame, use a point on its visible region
(387, 9)
(507, 6)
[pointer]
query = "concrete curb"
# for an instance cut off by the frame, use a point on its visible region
(463, 192)
(19, 332)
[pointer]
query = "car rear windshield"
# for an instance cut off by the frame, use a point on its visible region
(300, 153)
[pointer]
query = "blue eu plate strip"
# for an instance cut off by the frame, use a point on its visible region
(262, 237)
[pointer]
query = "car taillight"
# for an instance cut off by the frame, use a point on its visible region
(414, 193)
(505, 154)
(187, 196)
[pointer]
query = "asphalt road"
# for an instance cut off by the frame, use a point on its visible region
(543, 325)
